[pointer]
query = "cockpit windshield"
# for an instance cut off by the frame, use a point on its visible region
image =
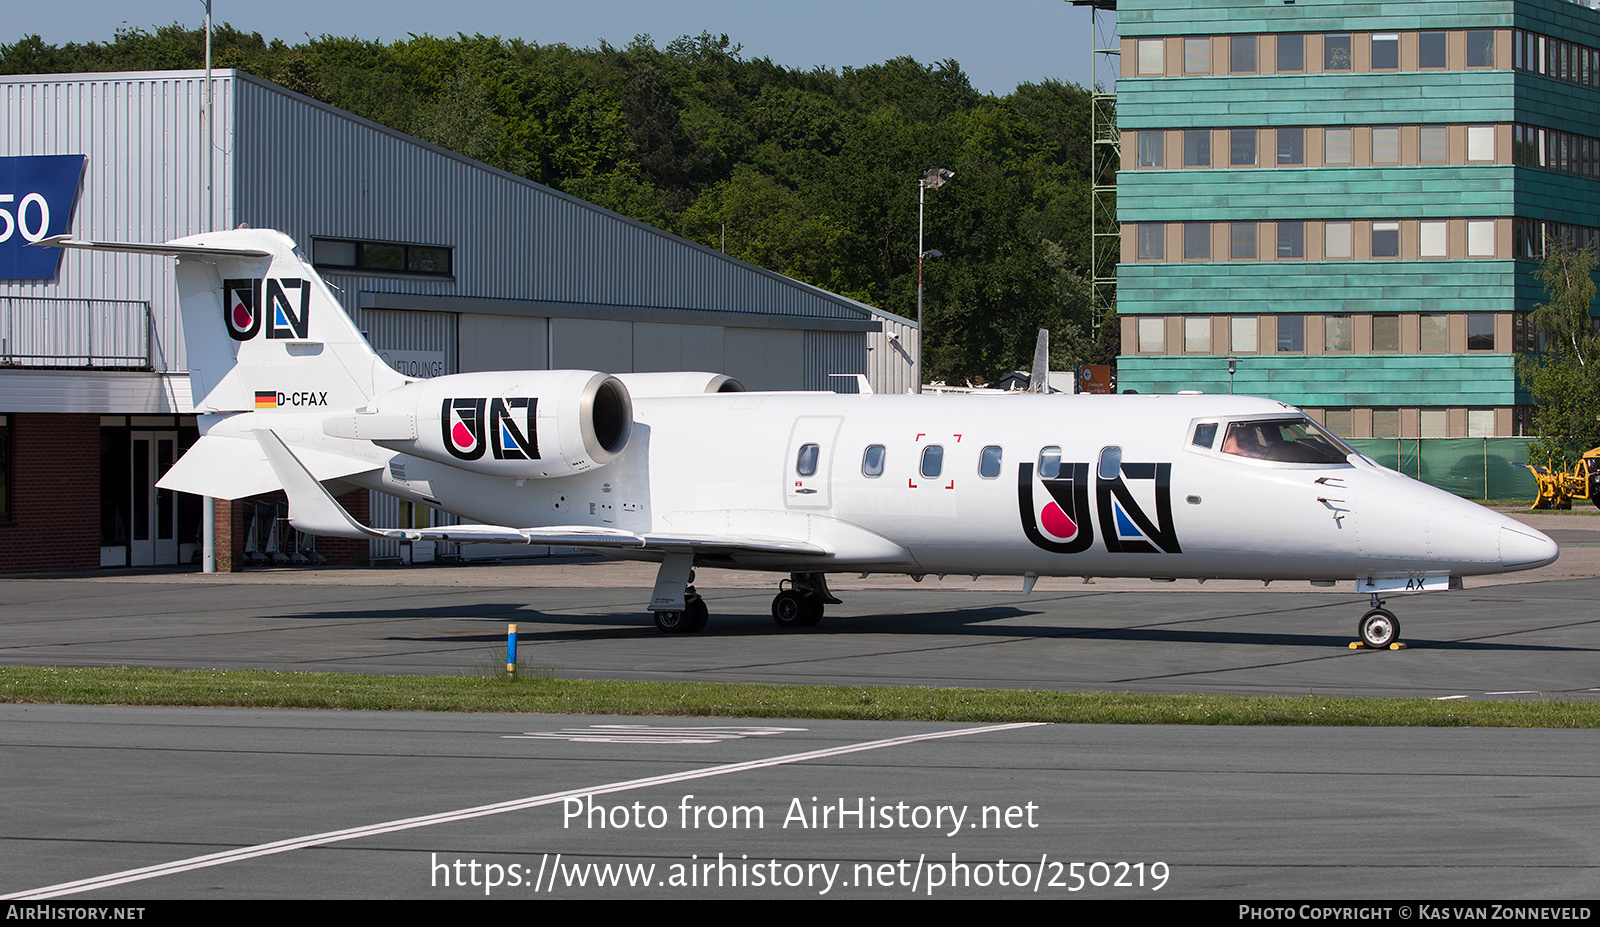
(1284, 440)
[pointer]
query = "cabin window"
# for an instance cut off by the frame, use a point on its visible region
(989, 462)
(1110, 462)
(872, 461)
(932, 461)
(1050, 463)
(806, 463)
(1291, 440)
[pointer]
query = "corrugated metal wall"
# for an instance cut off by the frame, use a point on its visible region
(143, 137)
(315, 171)
(892, 355)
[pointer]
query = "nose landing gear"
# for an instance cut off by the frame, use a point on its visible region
(1379, 627)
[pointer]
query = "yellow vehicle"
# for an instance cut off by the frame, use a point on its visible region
(1558, 487)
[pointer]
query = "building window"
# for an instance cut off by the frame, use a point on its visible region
(1291, 53)
(1385, 51)
(1435, 144)
(1336, 52)
(1386, 423)
(1197, 335)
(1242, 241)
(1480, 143)
(1336, 146)
(1435, 423)
(1435, 334)
(1150, 145)
(1385, 145)
(1291, 146)
(386, 257)
(1480, 48)
(1430, 50)
(1243, 334)
(1291, 334)
(1197, 241)
(1242, 147)
(1151, 59)
(1433, 244)
(1480, 238)
(1337, 334)
(1291, 240)
(1480, 423)
(1385, 239)
(1196, 147)
(1151, 240)
(1197, 55)
(1152, 334)
(1336, 240)
(1242, 54)
(1338, 422)
(1480, 331)
(1385, 334)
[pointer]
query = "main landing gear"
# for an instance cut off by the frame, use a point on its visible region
(1379, 627)
(693, 618)
(801, 605)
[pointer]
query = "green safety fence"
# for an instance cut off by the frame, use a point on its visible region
(1474, 468)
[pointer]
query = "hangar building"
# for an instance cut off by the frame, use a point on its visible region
(446, 264)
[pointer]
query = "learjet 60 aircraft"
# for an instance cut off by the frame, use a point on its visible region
(688, 468)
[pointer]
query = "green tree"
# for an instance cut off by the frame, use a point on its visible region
(1564, 377)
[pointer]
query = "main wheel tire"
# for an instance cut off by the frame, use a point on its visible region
(671, 622)
(814, 607)
(1379, 628)
(696, 614)
(791, 609)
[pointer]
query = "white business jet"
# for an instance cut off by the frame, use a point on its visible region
(687, 468)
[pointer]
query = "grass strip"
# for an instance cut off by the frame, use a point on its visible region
(260, 689)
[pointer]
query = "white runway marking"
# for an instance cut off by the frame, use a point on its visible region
(446, 817)
(645, 734)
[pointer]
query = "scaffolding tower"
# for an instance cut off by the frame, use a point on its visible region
(1105, 249)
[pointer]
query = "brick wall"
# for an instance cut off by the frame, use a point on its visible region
(55, 494)
(233, 522)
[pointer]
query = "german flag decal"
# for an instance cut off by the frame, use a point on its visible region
(266, 399)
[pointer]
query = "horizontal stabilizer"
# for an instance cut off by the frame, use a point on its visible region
(227, 467)
(166, 248)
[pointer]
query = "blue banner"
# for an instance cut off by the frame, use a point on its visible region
(38, 194)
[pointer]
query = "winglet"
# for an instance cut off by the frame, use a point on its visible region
(311, 508)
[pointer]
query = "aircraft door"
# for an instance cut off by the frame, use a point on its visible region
(808, 465)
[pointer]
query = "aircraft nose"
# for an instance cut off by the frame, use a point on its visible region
(1523, 547)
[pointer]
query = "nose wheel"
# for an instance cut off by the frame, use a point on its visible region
(1379, 627)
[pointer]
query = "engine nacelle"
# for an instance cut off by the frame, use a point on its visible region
(679, 383)
(527, 424)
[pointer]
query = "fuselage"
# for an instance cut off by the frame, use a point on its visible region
(1048, 485)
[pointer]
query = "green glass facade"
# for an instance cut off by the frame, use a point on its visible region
(1367, 167)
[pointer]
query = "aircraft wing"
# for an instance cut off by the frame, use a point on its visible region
(313, 509)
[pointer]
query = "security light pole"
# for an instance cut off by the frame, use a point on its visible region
(932, 179)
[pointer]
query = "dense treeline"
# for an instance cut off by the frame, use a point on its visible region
(809, 173)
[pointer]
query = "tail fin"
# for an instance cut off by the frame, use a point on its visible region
(262, 329)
